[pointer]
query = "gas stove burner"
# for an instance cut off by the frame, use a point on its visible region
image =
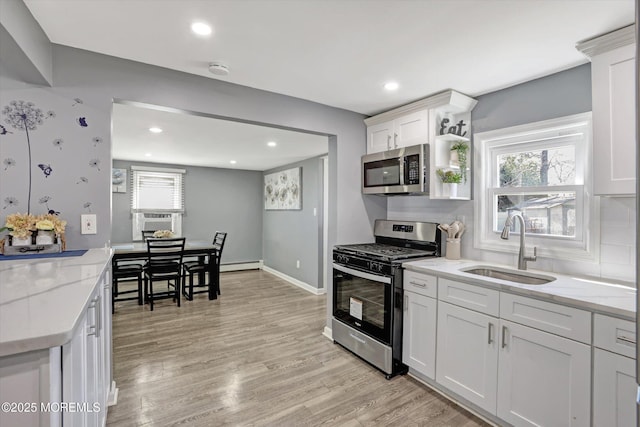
(379, 250)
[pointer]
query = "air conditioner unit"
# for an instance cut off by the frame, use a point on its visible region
(156, 221)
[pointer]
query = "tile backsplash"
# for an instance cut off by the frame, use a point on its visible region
(617, 235)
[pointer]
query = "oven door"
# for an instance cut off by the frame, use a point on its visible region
(363, 300)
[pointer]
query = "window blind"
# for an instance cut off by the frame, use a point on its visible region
(156, 190)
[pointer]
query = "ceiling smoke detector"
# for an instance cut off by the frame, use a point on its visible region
(218, 69)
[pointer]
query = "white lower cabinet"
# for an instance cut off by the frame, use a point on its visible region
(419, 333)
(543, 379)
(467, 354)
(614, 390)
(83, 368)
(614, 372)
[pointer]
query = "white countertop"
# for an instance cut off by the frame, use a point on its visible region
(42, 299)
(587, 293)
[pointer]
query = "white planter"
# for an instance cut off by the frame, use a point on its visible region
(451, 188)
(45, 237)
(20, 242)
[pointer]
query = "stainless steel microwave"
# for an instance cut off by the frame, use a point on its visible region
(400, 171)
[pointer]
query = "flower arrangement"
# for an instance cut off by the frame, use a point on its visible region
(449, 177)
(21, 226)
(163, 234)
(51, 222)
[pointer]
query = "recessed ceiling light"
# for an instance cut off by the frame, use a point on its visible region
(147, 154)
(201, 29)
(155, 129)
(233, 162)
(391, 86)
(271, 144)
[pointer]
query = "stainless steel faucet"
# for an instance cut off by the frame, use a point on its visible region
(522, 259)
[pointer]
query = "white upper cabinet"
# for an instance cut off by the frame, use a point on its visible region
(406, 130)
(613, 105)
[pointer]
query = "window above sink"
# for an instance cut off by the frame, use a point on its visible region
(542, 170)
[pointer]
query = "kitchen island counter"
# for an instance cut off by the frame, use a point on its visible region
(43, 299)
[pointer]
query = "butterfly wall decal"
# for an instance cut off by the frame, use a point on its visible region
(46, 169)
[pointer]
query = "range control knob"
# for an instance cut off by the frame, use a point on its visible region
(375, 266)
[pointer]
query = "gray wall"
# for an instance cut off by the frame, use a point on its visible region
(215, 200)
(98, 79)
(291, 235)
(561, 94)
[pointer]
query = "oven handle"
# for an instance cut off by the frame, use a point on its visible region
(362, 274)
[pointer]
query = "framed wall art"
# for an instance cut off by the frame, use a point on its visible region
(119, 180)
(283, 190)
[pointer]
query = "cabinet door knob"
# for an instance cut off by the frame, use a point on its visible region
(395, 140)
(490, 333)
(388, 142)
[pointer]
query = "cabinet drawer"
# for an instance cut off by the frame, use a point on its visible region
(473, 297)
(615, 335)
(554, 318)
(421, 283)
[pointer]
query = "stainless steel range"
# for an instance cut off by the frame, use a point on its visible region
(367, 290)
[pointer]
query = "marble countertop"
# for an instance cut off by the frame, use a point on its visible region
(43, 299)
(587, 293)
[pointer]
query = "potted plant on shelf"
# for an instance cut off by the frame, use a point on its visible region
(450, 179)
(459, 157)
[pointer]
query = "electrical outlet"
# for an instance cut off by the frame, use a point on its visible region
(88, 224)
(297, 263)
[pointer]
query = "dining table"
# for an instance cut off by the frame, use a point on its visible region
(137, 251)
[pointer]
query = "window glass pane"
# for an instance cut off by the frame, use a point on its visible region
(550, 166)
(552, 214)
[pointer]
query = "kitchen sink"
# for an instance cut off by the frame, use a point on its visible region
(518, 276)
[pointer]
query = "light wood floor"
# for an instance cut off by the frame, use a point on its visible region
(255, 357)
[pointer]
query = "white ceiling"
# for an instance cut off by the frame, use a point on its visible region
(341, 52)
(196, 140)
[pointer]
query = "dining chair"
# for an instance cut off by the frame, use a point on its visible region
(201, 267)
(125, 270)
(146, 234)
(164, 263)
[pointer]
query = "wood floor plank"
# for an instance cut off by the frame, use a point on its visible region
(255, 357)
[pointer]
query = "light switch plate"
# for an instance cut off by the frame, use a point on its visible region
(89, 225)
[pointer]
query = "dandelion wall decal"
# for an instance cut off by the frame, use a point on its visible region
(95, 163)
(96, 140)
(3, 130)
(23, 115)
(46, 169)
(10, 202)
(82, 121)
(51, 114)
(44, 200)
(87, 206)
(83, 179)
(8, 162)
(77, 101)
(58, 143)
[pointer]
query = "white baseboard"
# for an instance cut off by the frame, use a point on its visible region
(294, 281)
(328, 332)
(256, 265)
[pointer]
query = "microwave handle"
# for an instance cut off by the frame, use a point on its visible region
(362, 274)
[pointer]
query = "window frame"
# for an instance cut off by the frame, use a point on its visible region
(488, 145)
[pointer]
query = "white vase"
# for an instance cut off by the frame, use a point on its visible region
(20, 242)
(452, 188)
(45, 237)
